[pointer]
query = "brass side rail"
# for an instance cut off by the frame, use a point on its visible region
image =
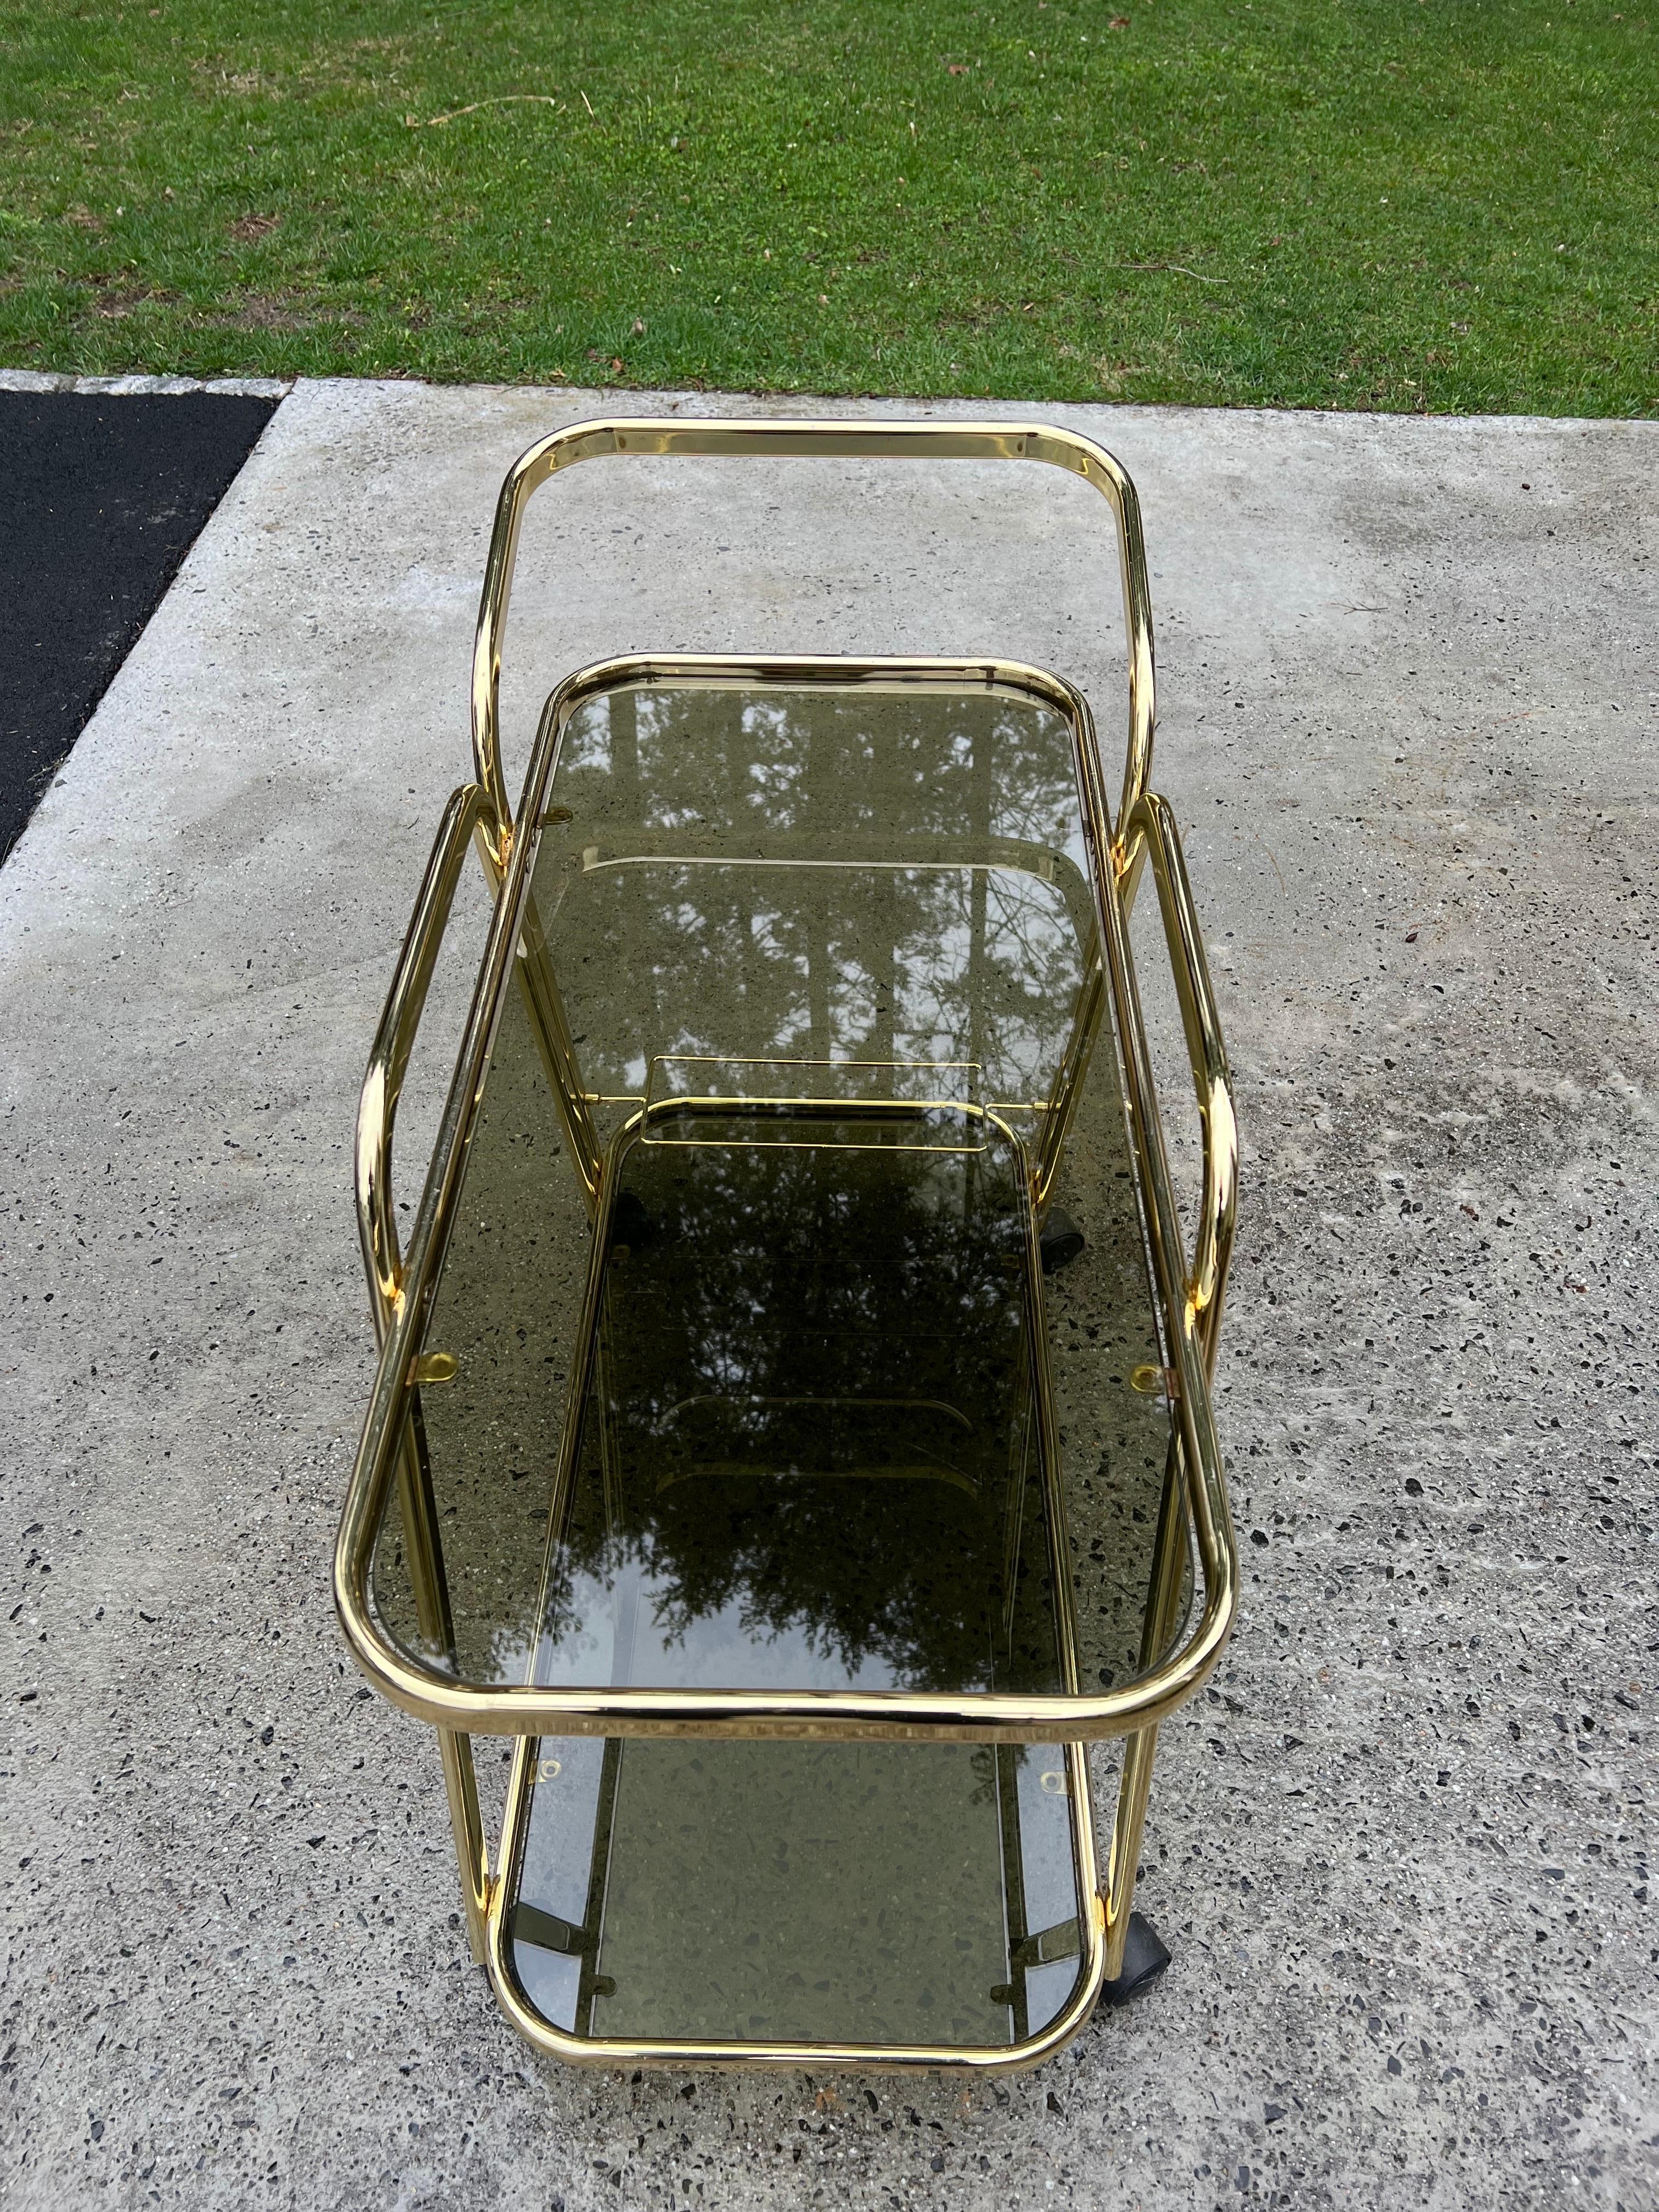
(1151, 821)
(377, 1229)
(1151, 827)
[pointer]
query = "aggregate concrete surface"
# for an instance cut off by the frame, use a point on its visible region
(1399, 1850)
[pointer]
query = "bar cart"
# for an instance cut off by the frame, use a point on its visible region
(792, 1425)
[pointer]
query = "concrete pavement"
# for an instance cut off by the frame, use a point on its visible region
(1409, 729)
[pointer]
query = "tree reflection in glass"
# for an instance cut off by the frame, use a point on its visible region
(807, 1453)
(820, 876)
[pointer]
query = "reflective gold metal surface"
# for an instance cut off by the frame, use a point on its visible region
(812, 1103)
(733, 437)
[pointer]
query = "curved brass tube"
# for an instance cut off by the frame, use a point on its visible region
(394, 1040)
(734, 435)
(377, 1227)
(1148, 829)
(1150, 819)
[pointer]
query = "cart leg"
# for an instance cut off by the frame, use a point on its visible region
(1068, 1087)
(1134, 1954)
(424, 1552)
(545, 1009)
(461, 1788)
(552, 1033)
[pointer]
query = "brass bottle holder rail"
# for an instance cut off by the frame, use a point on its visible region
(1188, 1293)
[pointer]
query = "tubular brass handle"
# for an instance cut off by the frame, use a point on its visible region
(670, 435)
(394, 1040)
(1150, 819)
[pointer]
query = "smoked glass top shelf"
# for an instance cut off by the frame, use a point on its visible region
(739, 1373)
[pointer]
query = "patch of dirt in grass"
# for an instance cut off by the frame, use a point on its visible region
(284, 311)
(248, 227)
(83, 218)
(262, 311)
(118, 297)
(1112, 376)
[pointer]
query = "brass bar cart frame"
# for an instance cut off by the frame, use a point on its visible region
(1194, 1514)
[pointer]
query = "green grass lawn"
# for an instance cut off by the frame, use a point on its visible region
(1440, 204)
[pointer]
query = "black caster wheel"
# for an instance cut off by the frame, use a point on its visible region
(1061, 1242)
(1145, 1958)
